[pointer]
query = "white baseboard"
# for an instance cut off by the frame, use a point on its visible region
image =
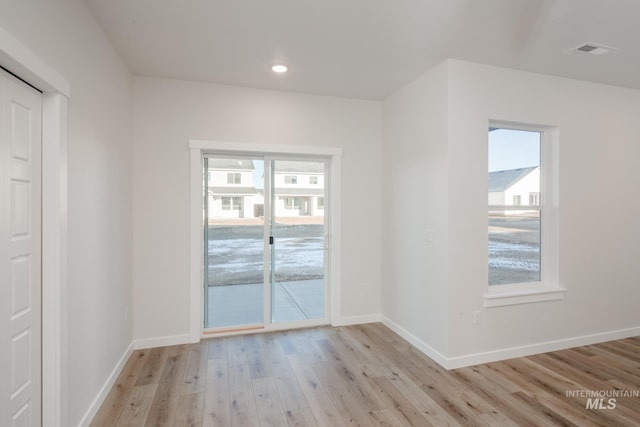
(511, 352)
(104, 391)
(359, 320)
(141, 344)
(544, 347)
(438, 357)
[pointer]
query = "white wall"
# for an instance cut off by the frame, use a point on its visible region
(64, 34)
(436, 179)
(167, 114)
(598, 151)
(414, 209)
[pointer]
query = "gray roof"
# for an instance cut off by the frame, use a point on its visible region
(231, 164)
(299, 167)
(501, 180)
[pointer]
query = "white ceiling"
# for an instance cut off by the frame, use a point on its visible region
(368, 48)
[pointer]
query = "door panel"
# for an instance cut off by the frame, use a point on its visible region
(20, 253)
(234, 274)
(298, 231)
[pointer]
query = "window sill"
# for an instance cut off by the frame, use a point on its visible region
(512, 297)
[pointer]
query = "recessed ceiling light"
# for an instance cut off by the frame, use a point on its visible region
(279, 68)
(593, 49)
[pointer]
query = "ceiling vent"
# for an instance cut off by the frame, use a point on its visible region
(593, 49)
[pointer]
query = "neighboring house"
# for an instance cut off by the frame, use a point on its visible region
(515, 187)
(232, 193)
(299, 188)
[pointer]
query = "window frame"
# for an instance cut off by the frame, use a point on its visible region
(291, 179)
(230, 206)
(231, 178)
(548, 288)
(292, 206)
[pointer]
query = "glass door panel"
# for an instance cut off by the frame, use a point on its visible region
(234, 242)
(297, 260)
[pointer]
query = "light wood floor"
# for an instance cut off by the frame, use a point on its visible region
(364, 375)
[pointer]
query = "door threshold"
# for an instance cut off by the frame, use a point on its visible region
(231, 330)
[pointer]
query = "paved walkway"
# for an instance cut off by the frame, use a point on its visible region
(236, 305)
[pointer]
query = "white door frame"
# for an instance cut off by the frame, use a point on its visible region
(198, 148)
(56, 92)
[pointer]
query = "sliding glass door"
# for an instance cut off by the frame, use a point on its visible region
(264, 234)
(234, 242)
(298, 240)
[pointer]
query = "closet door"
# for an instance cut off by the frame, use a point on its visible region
(20, 254)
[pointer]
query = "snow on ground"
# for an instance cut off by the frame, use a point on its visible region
(514, 256)
(237, 260)
(236, 254)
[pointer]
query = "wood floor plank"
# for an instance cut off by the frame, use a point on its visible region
(217, 402)
(152, 368)
(217, 348)
(244, 412)
(625, 348)
(287, 384)
(387, 418)
(355, 403)
(190, 410)
(434, 381)
(165, 402)
(236, 352)
(574, 410)
(321, 405)
(341, 376)
(598, 368)
(270, 410)
(259, 366)
(312, 351)
(365, 375)
(121, 391)
(301, 418)
(136, 410)
(399, 404)
(289, 343)
(196, 370)
(556, 384)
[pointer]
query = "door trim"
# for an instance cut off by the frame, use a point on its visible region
(56, 92)
(200, 147)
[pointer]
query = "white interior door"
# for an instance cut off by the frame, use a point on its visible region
(20, 253)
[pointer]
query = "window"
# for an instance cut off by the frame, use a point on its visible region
(231, 203)
(313, 180)
(292, 203)
(210, 177)
(514, 229)
(290, 179)
(233, 178)
(320, 202)
(522, 238)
